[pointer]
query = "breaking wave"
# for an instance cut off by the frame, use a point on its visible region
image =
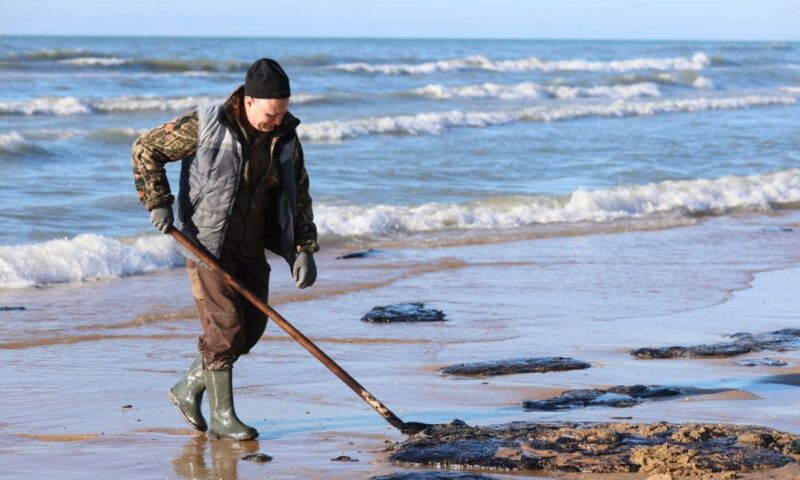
(530, 90)
(91, 61)
(85, 58)
(687, 197)
(76, 56)
(89, 257)
(16, 143)
(82, 258)
(11, 143)
(683, 78)
(45, 106)
(76, 106)
(174, 65)
(147, 64)
(698, 61)
(437, 122)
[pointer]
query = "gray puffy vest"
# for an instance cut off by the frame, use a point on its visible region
(209, 181)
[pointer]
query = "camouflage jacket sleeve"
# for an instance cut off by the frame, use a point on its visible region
(305, 232)
(172, 141)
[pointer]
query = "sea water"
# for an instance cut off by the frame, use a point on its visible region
(406, 141)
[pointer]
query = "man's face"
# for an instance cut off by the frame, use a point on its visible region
(264, 114)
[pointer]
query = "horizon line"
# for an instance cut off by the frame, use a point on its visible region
(334, 37)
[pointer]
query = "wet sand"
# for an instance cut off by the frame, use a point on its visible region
(78, 354)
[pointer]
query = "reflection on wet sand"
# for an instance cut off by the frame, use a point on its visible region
(224, 456)
(59, 336)
(63, 340)
(42, 342)
(75, 437)
(168, 431)
(143, 320)
(351, 340)
(344, 289)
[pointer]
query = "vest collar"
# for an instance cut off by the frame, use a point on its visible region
(230, 111)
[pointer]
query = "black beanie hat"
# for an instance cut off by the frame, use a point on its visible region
(266, 79)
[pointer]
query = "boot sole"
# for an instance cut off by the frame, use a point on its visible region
(174, 400)
(240, 438)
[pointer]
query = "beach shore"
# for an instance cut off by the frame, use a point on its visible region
(87, 367)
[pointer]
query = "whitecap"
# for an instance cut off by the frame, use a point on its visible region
(45, 106)
(85, 257)
(684, 197)
(95, 61)
(437, 122)
(703, 83)
(11, 142)
(132, 103)
(89, 257)
(76, 106)
(698, 61)
(530, 90)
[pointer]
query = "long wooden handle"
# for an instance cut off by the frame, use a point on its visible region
(362, 392)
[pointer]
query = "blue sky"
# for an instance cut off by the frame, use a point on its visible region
(578, 19)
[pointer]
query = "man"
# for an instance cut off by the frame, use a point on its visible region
(243, 188)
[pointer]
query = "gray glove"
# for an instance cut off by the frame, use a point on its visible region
(304, 270)
(161, 218)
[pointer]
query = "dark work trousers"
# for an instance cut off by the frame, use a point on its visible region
(231, 324)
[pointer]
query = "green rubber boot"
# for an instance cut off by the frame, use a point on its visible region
(187, 394)
(224, 422)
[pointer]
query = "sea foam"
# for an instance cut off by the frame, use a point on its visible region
(45, 106)
(90, 257)
(437, 122)
(703, 83)
(95, 61)
(698, 61)
(686, 197)
(682, 78)
(82, 258)
(530, 90)
(11, 141)
(76, 106)
(174, 103)
(122, 104)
